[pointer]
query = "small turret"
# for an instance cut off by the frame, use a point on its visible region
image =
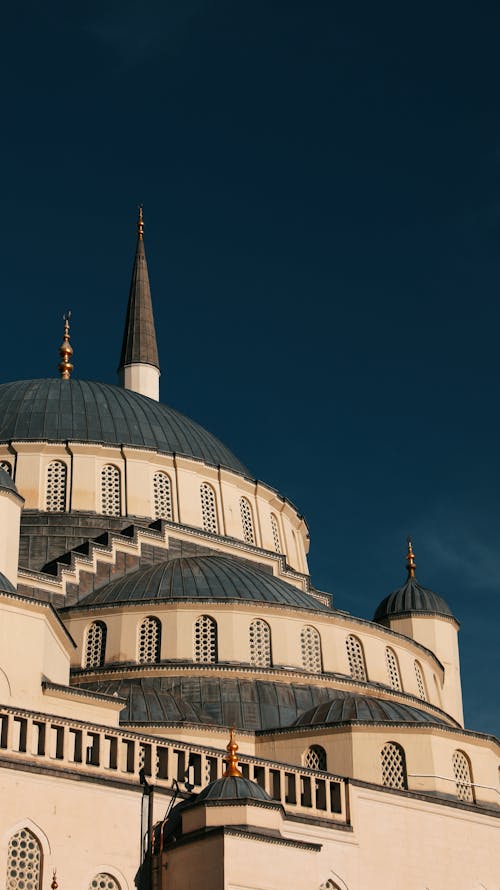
(139, 368)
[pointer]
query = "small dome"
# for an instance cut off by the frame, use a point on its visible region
(232, 788)
(6, 585)
(364, 708)
(84, 411)
(214, 577)
(412, 597)
(7, 483)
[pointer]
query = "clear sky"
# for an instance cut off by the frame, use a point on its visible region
(322, 204)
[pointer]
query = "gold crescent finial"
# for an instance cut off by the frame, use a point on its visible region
(231, 759)
(140, 223)
(65, 366)
(54, 884)
(411, 565)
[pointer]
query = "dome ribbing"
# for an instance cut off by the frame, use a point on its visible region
(412, 597)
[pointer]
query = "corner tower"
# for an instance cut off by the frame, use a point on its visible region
(139, 368)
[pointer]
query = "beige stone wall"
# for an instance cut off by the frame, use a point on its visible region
(84, 463)
(10, 517)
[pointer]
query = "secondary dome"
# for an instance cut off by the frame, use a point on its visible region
(412, 597)
(59, 410)
(214, 577)
(232, 788)
(365, 709)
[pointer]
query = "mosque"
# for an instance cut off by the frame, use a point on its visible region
(180, 706)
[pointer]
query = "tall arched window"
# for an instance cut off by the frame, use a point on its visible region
(104, 882)
(310, 644)
(5, 465)
(260, 643)
(110, 490)
(162, 496)
(420, 682)
(24, 861)
(463, 776)
(205, 639)
(247, 521)
(95, 645)
(149, 643)
(209, 508)
(315, 757)
(55, 491)
(393, 669)
(356, 658)
(276, 533)
(393, 763)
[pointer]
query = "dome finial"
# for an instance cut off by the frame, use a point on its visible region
(411, 565)
(54, 884)
(140, 223)
(231, 759)
(65, 350)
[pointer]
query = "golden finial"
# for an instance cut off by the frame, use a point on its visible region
(231, 759)
(140, 223)
(65, 350)
(54, 884)
(411, 565)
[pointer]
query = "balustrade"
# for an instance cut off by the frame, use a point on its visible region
(75, 745)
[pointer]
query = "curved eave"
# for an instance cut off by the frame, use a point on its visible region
(420, 727)
(417, 613)
(158, 602)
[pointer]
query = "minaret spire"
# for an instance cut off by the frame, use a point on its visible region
(411, 565)
(139, 366)
(65, 366)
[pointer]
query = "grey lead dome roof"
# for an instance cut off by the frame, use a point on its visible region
(213, 577)
(59, 410)
(232, 788)
(412, 597)
(6, 482)
(365, 709)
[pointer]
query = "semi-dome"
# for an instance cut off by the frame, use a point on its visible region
(232, 788)
(58, 410)
(363, 708)
(213, 577)
(412, 597)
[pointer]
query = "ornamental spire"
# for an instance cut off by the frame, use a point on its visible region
(139, 366)
(65, 366)
(231, 759)
(411, 565)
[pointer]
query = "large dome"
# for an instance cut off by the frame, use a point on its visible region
(213, 577)
(59, 410)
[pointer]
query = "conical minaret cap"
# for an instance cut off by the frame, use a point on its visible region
(139, 338)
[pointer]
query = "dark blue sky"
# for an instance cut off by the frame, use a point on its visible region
(322, 204)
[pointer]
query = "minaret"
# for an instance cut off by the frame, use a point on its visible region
(139, 367)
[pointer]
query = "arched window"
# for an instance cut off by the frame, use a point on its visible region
(310, 644)
(247, 521)
(55, 492)
(148, 650)
(110, 490)
(205, 639)
(95, 645)
(276, 533)
(260, 643)
(5, 465)
(463, 776)
(209, 508)
(393, 764)
(162, 496)
(420, 682)
(315, 757)
(24, 861)
(104, 882)
(356, 658)
(393, 669)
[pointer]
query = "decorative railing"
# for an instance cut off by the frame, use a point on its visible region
(95, 750)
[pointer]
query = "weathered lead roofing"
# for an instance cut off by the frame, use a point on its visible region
(232, 788)
(7, 483)
(85, 411)
(248, 704)
(412, 597)
(139, 337)
(212, 577)
(366, 709)
(5, 584)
